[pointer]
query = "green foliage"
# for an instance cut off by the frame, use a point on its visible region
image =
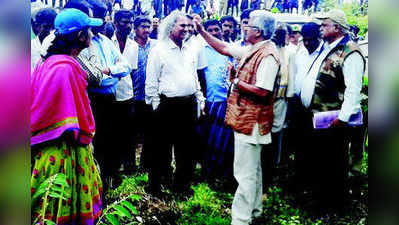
(365, 162)
(133, 184)
(53, 187)
(365, 81)
(215, 16)
(210, 207)
(205, 207)
(121, 211)
(49, 222)
(355, 16)
(327, 5)
(279, 210)
(275, 10)
(355, 13)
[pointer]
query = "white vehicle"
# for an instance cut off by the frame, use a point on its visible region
(293, 19)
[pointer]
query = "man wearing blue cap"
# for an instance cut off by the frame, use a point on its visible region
(104, 54)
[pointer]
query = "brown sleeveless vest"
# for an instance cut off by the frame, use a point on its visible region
(243, 112)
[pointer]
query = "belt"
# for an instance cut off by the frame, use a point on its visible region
(179, 98)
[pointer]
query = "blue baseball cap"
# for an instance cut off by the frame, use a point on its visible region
(70, 20)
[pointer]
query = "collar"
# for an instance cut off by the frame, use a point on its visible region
(171, 45)
(37, 41)
(146, 44)
(98, 37)
(114, 39)
(334, 44)
(257, 45)
(317, 51)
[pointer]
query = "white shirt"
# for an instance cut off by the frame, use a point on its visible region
(265, 78)
(196, 44)
(124, 88)
(171, 71)
(47, 42)
(301, 64)
(353, 75)
(35, 51)
(293, 48)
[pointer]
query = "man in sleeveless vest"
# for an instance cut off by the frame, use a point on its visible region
(250, 108)
(333, 82)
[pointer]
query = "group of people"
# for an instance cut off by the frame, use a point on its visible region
(289, 5)
(162, 8)
(195, 94)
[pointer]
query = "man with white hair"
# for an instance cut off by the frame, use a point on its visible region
(250, 108)
(172, 88)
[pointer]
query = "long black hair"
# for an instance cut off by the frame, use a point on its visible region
(64, 43)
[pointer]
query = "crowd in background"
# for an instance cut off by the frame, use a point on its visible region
(236, 98)
(162, 8)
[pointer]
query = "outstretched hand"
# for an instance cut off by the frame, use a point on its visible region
(338, 123)
(198, 22)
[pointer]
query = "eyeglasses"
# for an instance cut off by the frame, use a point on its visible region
(252, 27)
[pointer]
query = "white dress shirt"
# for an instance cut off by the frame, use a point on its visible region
(47, 42)
(265, 78)
(353, 74)
(195, 43)
(171, 71)
(301, 64)
(124, 88)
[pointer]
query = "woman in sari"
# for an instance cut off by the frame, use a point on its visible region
(62, 127)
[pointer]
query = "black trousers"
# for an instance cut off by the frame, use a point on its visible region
(125, 135)
(174, 125)
(142, 118)
(321, 160)
(268, 159)
(103, 107)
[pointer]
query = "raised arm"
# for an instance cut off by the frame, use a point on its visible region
(217, 44)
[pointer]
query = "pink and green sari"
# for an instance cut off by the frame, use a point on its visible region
(62, 127)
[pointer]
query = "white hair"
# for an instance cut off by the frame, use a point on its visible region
(264, 21)
(168, 23)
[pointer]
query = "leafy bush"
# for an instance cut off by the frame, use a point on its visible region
(365, 161)
(355, 16)
(355, 13)
(279, 210)
(52, 187)
(205, 207)
(120, 212)
(133, 184)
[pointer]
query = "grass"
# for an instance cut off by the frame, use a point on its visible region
(210, 204)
